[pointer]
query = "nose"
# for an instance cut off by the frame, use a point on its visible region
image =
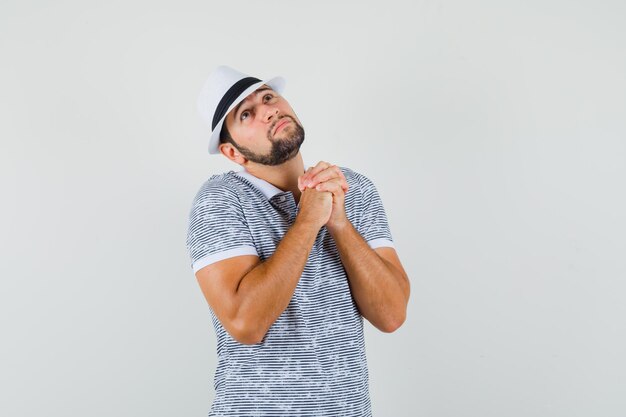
(271, 112)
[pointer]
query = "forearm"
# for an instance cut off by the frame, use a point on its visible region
(379, 289)
(265, 291)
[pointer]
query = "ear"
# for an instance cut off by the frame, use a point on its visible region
(230, 152)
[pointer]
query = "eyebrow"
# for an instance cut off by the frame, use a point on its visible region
(236, 109)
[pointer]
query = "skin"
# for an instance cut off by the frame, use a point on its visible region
(377, 279)
(272, 156)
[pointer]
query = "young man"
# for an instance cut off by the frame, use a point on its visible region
(290, 258)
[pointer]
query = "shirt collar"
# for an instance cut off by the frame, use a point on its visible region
(268, 190)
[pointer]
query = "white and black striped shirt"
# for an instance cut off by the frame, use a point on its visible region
(312, 360)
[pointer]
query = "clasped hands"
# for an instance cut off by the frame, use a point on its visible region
(326, 177)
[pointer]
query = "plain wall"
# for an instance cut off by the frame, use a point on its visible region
(494, 131)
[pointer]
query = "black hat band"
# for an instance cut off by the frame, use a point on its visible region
(230, 96)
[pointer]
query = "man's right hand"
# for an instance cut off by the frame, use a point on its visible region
(315, 207)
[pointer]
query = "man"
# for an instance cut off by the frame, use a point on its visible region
(289, 260)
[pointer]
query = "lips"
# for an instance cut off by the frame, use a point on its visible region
(280, 124)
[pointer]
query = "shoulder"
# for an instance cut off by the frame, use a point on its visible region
(355, 178)
(219, 188)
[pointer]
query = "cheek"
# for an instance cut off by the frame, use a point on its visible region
(256, 135)
(290, 112)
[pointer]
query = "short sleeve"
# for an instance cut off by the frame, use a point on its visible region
(373, 224)
(217, 226)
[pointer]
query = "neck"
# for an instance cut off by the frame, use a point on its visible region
(283, 176)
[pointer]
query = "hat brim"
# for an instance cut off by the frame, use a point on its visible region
(276, 83)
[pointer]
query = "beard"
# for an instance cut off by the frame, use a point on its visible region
(283, 149)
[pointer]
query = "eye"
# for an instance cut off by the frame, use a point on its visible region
(241, 117)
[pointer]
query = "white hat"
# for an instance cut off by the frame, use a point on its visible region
(224, 89)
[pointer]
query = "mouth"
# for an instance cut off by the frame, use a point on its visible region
(280, 125)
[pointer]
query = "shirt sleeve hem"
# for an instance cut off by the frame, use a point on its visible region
(209, 259)
(377, 243)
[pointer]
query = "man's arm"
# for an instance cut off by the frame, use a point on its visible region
(378, 282)
(246, 295)
(265, 291)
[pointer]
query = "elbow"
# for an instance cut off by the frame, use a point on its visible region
(247, 340)
(394, 324)
(246, 333)
(396, 317)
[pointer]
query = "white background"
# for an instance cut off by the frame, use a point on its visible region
(494, 131)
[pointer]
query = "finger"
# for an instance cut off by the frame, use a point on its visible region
(321, 165)
(301, 179)
(304, 177)
(332, 171)
(344, 183)
(301, 186)
(334, 186)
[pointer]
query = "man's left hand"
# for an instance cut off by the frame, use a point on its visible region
(327, 177)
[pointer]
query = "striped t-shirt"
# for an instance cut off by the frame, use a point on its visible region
(312, 360)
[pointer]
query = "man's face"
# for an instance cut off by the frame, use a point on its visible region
(253, 126)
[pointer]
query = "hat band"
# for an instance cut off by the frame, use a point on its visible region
(230, 96)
